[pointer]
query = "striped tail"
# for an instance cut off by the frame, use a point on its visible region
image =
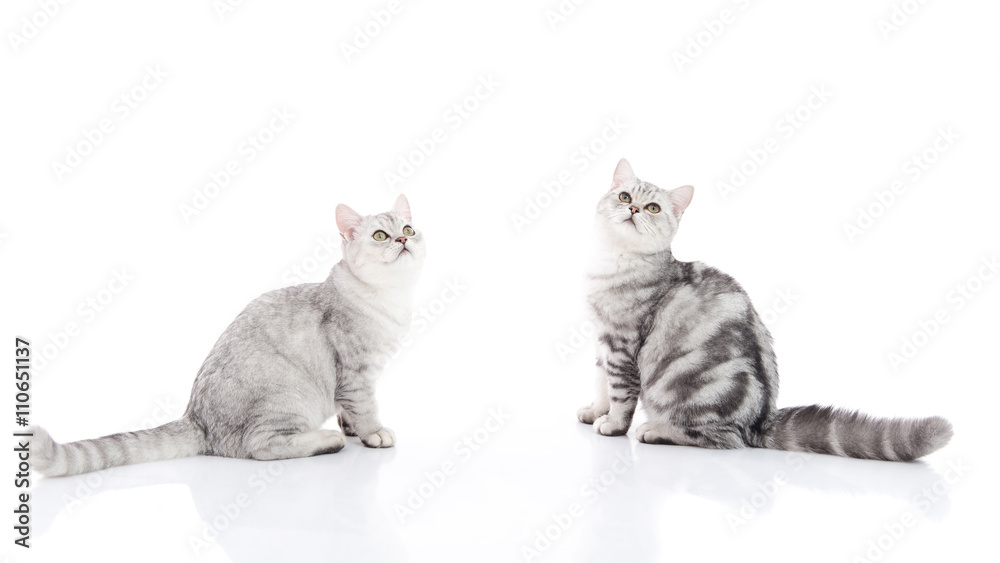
(173, 440)
(827, 430)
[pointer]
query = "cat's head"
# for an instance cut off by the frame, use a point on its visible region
(638, 216)
(382, 249)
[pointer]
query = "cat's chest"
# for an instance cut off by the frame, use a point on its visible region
(375, 323)
(623, 300)
(621, 320)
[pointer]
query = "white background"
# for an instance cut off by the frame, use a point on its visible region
(838, 305)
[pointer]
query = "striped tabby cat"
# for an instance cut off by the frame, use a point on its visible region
(292, 359)
(685, 339)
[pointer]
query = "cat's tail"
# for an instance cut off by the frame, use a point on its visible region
(180, 438)
(828, 430)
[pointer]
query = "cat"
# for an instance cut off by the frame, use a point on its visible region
(292, 359)
(684, 338)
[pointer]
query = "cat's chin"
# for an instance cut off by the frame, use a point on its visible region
(625, 236)
(404, 255)
(629, 223)
(625, 229)
(405, 260)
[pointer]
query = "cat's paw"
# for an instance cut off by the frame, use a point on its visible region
(605, 426)
(383, 438)
(649, 433)
(592, 412)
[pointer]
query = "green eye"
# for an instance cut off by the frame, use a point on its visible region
(625, 197)
(408, 231)
(380, 236)
(653, 208)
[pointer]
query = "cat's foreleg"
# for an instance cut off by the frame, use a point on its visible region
(360, 411)
(344, 420)
(601, 404)
(623, 395)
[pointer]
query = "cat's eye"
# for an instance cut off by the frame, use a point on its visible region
(380, 236)
(408, 231)
(653, 208)
(625, 197)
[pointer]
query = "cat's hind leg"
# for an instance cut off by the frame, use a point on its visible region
(279, 445)
(663, 430)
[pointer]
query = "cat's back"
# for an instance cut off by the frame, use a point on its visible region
(315, 320)
(634, 289)
(273, 321)
(288, 310)
(704, 281)
(696, 295)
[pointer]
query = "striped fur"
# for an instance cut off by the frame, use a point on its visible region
(684, 338)
(292, 359)
(173, 440)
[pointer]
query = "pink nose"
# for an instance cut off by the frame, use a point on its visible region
(633, 209)
(401, 239)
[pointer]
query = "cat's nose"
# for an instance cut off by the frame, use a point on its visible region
(633, 209)
(401, 239)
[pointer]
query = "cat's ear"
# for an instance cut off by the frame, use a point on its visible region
(623, 174)
(402, 208)
(680, 198)
(348, 222)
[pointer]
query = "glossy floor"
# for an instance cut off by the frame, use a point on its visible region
(502, 491)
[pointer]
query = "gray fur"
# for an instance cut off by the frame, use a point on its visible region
(292, 359)
(683, 338)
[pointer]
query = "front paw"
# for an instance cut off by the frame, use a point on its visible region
(605, 426)
(383, 438)
(592, 412)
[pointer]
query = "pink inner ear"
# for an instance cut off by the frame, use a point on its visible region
(402, 208)
(680, 198)
(348, 221)
(623, 174)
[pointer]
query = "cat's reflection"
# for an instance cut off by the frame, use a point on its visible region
(643, 478)
(255, 511)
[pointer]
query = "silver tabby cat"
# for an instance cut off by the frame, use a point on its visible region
(684, 338)
(292, 359)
